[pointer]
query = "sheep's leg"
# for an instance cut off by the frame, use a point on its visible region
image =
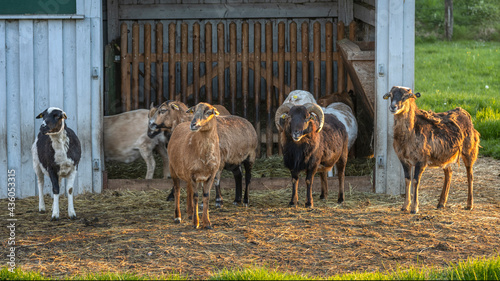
(295, 188)
(407, 170)
(177, 194)
(324, 185)
(218, 194)
(309, 182)
(70, 187)
(55, 190)
(248, 178)
(147, 155)
(41, 180)
(341, 175)
(470, 195)
(162, 150)
(206, 197)
(194, 200)
(419, 170)
(446, 188)
(238, 178)
(190, 199)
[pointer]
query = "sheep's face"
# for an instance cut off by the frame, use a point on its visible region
(203, 114)
(165, 117)
(53, 120)
(301, 122)
(400, 99)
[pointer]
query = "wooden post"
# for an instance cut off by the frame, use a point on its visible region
(232, 65)
(159, 63)
(293, 56)
(244, 67)
(305, 56)
(269, 87)
(125, 68)
(317, 59)
(196, 62)
(329, 58)
(448, 19)
(171, 62)
(221, 64)
(256, 68)
(281, 71)
(135, 65)
(184, 62)
(208, 62)
(352, 37)
(147, 65)
(340, 64)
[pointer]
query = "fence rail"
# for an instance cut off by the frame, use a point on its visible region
(275, 67)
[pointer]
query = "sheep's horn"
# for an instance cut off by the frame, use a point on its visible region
(314, 108)
(283, 109)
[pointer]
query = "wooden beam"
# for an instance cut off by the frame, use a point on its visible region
(345, 11)
(230, 10)
(364, 13)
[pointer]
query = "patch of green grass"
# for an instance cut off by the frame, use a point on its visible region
(470, 269)
(18, 274)
(464, 74)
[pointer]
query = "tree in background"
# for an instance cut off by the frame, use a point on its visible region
(448, 19)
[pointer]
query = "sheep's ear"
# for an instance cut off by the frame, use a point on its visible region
(386, 96)
(190, 110)
(174, 106)
(152, 105)
(417, 95)
(215, 111)
(313, 117)
(39, 116)
(64, 115)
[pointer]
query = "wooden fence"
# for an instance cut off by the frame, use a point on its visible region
(274, 73)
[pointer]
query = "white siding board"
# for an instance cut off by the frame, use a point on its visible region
(13, 101)
(3, 108)
(41, 80)
(84, 104)
(56, 74)
(97, 87)
(26, 176)
(409, 44)
(69, 85)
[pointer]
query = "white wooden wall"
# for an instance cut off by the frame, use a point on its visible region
(394, 62)
(50, 61)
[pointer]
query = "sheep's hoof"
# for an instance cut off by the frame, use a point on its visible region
(292, 205)
(177, 220)
(54, 219)
(196, 226)
(309, 205)
(170, 198)
(340, 201)
(208, 227)
(469, 208)
(41, 211)
(440, 206)
(322, 197)
(73, 217)
(413, 212)
(190, 217)
(236, 203)
(218, 204)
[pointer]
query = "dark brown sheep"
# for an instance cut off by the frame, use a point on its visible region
(427, 139)
(314, 142)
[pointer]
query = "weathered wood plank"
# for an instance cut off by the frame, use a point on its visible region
(365, 13)
(55, 64)
(96, 113)
(228, 11)
(13, 131)
(84, 94)
(25, 176)
(3, 108)
(112, 20)
(345, 10)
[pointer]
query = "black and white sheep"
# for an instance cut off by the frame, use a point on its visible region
(427, 139)
(56, 154)
(314, 142)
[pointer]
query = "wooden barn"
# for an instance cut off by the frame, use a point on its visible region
(95, 58)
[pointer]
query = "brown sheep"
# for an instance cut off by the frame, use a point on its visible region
(425, 138)
(194, 155)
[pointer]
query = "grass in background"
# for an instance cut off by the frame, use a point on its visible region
(465, 74)
(470, 269)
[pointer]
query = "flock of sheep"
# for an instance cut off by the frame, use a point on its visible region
(197, 143)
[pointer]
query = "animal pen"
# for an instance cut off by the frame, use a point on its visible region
(249, 66)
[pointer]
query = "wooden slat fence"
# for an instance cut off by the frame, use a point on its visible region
(228, 65)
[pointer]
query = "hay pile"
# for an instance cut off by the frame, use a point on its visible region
(124, 231)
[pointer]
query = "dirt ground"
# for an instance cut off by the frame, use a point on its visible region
(126, 230)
